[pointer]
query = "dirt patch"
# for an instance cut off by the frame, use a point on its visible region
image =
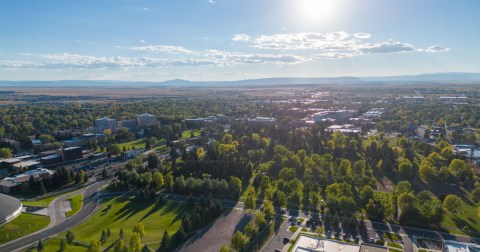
(219, 233)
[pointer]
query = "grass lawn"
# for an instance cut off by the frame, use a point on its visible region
(392, 236)
(46, 201)
(293, 229)
(394, 245)
(467, 217)
(188, 133)
(76, 202)
(135, 143)
(22, 225)
(54, 245)
(124, 213)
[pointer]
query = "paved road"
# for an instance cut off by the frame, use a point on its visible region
(90, 204)
(276, 242)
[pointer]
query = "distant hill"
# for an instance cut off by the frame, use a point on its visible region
(461, 78)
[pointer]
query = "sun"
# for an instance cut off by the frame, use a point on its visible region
(317, 10)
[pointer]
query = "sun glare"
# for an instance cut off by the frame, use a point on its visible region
(317, 10)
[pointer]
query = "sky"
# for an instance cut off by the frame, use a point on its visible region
(157, 40)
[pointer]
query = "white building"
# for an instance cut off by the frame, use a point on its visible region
(145, 120)
(262, 121)
(106, 123)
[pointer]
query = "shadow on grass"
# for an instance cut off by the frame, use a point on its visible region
(131, 208)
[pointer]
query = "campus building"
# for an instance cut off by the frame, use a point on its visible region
(145, 120)
(11, 208)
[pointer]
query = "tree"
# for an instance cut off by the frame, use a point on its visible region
(139, 229)
(135, 242)
(152, 160)
(31, 183)
(165, 243)
(63, 245)
(103, 236)
(120, 246)
(6, 153)
(40, 247)
(458, 166)
(238, 241)
(250, 230)
(250, 202)
(426, 171)
(405, 169)
(319, 230)
(120, 234)
(279, 198)
(169, 182)
(452, 203)
(268, 210)
(236, 186)
(41, 187)
(225, 248)
(402, 186)
(94, 246)
(476, 195)
(104, 173)
(157, 180)
(70, 237)
(260, 220)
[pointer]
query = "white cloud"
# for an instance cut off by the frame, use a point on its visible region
(385, 47)
(361, 35)
(335, 45)
(211, 1)
(437, 48)
(163, 48)
(241, 37)
(142, 41)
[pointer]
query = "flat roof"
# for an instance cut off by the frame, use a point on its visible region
(309, 243)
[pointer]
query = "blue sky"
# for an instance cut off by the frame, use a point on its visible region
(158, 40)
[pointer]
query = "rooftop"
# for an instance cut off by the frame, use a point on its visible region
(313, 244)
(9, 205)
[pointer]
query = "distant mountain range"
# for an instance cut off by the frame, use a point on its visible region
(461, 78)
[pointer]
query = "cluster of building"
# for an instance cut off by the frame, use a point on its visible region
(334, 115)
(15, 183)
(143, 121)
(204, 121)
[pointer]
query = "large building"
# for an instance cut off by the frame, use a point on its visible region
(15, 183)
(130, 124)
(145, 120)
(11, 208)
(262, 121)
(106, 123)
(307, 243)
(339, 115)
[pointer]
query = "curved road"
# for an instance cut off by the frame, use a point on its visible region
(90, 204)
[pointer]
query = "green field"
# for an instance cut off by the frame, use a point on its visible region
(22, 225)
(76, 202)
(467, 217)
(46, 201)
(135, 143)
(124, 213)
(54, 245)
(188, 133)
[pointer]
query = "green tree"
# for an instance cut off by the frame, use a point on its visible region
(121, 235)
(405, 169)
(458, 166)
(238, 241)
(40, 247)
(250, 230)
(250, 202)
(135, 242)
(452, 203)
(225, 248)
(63, 245)
(426, 171)
(165, 243)
(139, 229)
(120, 246)
(70, 237)
(260, 220)
(476, 195)
(153, 161)
(168, 179)
(6, 153)
(268, 210)
(94, 246)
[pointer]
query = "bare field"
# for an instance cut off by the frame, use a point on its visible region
(219, 233)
